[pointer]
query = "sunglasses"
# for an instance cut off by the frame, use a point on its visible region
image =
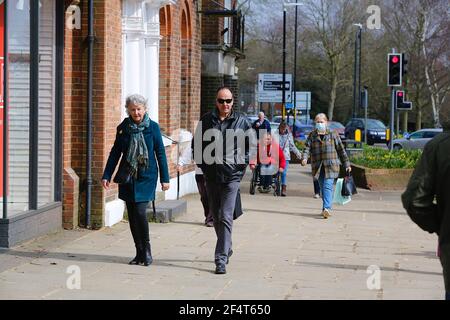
(222, 101)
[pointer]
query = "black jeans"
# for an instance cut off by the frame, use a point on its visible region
(138, 218)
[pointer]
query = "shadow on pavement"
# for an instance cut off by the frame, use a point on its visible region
(83, 257)
(361, 267)
(306, 215)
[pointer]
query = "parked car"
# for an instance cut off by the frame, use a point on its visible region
(416, 140)
(338, 127)
(376, 130)
(252, 118)
(301, 130)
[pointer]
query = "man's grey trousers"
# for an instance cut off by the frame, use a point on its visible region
(222, 200)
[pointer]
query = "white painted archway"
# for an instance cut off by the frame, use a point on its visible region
(140, 51)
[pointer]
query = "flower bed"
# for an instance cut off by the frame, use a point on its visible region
(379, 169)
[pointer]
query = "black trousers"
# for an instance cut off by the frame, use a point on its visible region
(138, 218)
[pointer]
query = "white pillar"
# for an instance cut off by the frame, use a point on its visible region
(152, 38)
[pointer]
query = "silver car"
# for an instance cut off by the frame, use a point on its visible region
(416, 140)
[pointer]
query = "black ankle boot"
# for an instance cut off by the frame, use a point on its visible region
(139, 256)
(147, 255)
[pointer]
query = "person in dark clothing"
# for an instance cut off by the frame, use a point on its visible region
(427, 196)
(223, 161)
(261, 124)
(139, 142)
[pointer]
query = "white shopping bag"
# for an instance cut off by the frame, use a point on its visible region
(338, 198)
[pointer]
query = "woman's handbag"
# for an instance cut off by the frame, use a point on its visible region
(348, 186)
(123, 175)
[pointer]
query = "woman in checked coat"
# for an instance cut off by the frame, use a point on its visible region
(327, 153)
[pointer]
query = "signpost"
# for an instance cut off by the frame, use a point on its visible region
(303, 103)
(270, 87)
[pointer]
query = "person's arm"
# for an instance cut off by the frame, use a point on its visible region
(293, 147)
(340, 149)
(307, 149)
(418, 199)
(268, 126)
(160, 153)
(113, 159)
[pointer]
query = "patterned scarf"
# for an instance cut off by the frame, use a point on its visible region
(137, 155)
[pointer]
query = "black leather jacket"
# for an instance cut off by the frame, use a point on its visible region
(427, 197)
(232, 167)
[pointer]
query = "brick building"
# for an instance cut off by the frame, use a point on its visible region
(222, 46)
(151, 47)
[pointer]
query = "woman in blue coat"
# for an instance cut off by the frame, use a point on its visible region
(139, 142)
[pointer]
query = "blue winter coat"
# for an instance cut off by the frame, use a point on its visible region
(143, 187)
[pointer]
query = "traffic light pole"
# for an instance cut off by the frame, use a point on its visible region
(391, 127)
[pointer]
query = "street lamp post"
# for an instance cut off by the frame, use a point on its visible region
(357, 72)
(286, 4)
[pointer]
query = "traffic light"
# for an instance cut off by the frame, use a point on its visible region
(395, 69)
(404, 64)
(400, 103)
(399, 98)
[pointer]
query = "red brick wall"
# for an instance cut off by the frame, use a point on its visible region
(106, 107)
(180, 71)
(211, 25)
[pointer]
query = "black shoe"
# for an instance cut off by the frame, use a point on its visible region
(147, 256)
(230, 253)
(139, 256)
(220, 269)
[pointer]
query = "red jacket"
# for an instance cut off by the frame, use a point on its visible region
(267, 158)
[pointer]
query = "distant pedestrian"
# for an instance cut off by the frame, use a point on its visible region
(223, 172)
(325, 149)
(139, 142)
(261, 124)
(427, 196)
(287, 145)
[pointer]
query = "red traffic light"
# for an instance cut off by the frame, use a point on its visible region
(395, 59)
(400, 93)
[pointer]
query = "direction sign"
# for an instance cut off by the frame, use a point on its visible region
(303, 100)
(270, 87)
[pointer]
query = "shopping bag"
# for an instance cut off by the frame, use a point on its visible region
(338, 198)
(348, 186)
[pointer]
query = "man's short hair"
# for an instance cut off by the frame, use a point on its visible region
(223, 88)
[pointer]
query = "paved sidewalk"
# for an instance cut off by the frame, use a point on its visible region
(282, 250)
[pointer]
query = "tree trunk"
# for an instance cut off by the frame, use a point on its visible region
(334, 82)
(419, 119)
(405, 121)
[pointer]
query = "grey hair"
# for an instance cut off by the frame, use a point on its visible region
(136, 99)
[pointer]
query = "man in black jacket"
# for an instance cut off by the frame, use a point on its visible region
(223, 145)
(427, 197)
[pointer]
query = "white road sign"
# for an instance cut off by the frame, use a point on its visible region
(303, 100)
(270, 87)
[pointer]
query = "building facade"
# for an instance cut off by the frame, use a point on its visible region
(151, 47)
